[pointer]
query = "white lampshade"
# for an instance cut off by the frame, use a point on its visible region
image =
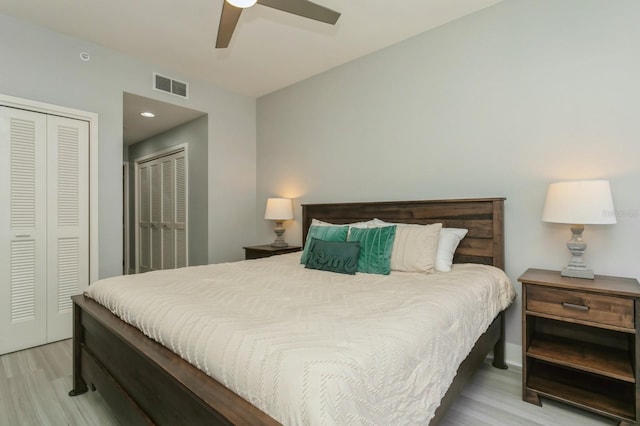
(586, 202)
(278, 209)
(242, 3)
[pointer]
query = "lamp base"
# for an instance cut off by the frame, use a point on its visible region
(576, 245)
(279, 244)
(279, 230)
(577, 273)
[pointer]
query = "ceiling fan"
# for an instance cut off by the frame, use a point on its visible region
(231, 10)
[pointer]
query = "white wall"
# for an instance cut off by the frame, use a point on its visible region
(45, 66)
(498, 103)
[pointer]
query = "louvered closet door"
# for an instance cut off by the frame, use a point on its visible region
(44, 225)
(174, 211)
(144, 219)
(168, 213)
(180, 212)
(162, 213)
(23, 223)
(68, 220)
(156, 216)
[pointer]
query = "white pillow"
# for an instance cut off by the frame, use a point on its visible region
(414, 246)
(379, 222)
(447, 244)
(317, 222)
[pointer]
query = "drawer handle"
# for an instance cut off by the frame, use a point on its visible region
(573, 306)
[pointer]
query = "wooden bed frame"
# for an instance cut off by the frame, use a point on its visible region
(145, 383)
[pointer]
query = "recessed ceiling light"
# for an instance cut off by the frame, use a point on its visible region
(147, 114)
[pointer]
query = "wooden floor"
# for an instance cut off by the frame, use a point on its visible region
(34, 385)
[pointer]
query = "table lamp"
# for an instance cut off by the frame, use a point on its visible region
(579, 203)
(279, 210)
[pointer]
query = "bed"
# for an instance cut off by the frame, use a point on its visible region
(146, 383)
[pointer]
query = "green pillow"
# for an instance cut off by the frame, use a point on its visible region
(375, 248)
(334, 256)
(327, 233)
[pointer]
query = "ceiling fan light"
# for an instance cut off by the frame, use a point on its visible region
(242, 3)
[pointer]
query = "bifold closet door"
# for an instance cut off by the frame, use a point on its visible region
(143, 204)
(44, 225)
(23, 227)
(173, 218)
(162, 213)
(167, 214)
(68, 220)
(178, 222)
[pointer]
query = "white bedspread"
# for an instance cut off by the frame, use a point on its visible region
(314, 347)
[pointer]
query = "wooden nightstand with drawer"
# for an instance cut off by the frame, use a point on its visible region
(580, 342)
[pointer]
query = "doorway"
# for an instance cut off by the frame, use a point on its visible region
(173, 129)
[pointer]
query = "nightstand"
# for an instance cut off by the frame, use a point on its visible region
(580, 342)
(258, 252)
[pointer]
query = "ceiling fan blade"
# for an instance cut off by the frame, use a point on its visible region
(228, 21)
(304, 8)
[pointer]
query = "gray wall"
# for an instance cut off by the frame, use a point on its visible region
(45, 66)
(194, 135)
(499, 103)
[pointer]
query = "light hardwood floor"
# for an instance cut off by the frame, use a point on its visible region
(34, 385)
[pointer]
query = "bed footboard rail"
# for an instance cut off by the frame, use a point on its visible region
(144, 382)
(79, 385)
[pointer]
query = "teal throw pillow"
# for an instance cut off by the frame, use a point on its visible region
(327, 233)
(333, 256)
(375, 248)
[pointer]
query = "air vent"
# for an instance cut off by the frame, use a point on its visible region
(169, 85)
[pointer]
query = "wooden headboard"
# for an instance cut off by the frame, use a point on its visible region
(483, 217)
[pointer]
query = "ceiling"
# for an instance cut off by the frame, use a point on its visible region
(269, 50)
(167, 116)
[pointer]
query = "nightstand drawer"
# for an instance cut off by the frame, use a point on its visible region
(596, 308)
